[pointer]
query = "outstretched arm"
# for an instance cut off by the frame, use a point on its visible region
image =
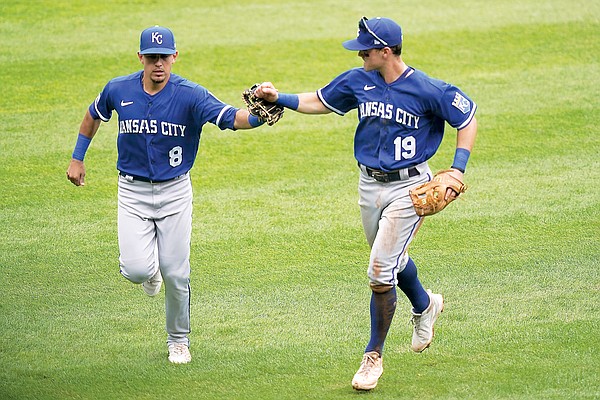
(307, 103)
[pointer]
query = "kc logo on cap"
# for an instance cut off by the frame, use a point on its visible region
(157, 40)
(156, 37)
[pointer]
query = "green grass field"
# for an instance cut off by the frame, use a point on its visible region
(279, 288)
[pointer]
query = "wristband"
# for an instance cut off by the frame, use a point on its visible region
(461, 156)
(254, 121)
(83, 142)
(290, 101)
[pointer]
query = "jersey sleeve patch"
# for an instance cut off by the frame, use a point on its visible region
(460, 102)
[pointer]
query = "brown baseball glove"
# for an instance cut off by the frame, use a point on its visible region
(265, 110)
(429, 198)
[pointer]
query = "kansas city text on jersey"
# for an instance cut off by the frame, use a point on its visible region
(151, 127)
(386, 111)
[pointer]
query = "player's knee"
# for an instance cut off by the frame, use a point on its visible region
(137, 271)
(380, 288)
(380, 278)
(176, 270)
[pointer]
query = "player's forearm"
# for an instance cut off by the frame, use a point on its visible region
(87, 130)
(465, 137)
(76, 170)
(245, 120)
(89, 126)
(309, 103)
(305, 103)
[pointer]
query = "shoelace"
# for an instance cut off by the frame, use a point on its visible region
(415, 320)
(155, 279)
(366, 365)
(179, 349)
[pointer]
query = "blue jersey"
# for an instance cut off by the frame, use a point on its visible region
(159, 134)
(400, 124)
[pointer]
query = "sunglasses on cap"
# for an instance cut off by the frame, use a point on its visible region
(364, 27)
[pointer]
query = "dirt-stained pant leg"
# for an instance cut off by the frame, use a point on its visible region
(390, 223)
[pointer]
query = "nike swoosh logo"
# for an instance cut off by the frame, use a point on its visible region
(126, 103)
(367, 87)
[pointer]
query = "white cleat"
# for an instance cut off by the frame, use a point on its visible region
(369, 372)
(152, 285)
(423, 323)
(179, 353)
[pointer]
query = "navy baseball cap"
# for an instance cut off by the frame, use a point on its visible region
(375, 33)
(157, 40)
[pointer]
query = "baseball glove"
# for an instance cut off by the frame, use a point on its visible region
(265, 110)
(428, 198)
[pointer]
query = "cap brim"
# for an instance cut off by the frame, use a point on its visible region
(158, 50)
(355, 45)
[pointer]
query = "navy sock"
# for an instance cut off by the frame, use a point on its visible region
(409, 283)
(383, 307)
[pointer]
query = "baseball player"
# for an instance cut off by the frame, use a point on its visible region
(160, 121)
(401, 118)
